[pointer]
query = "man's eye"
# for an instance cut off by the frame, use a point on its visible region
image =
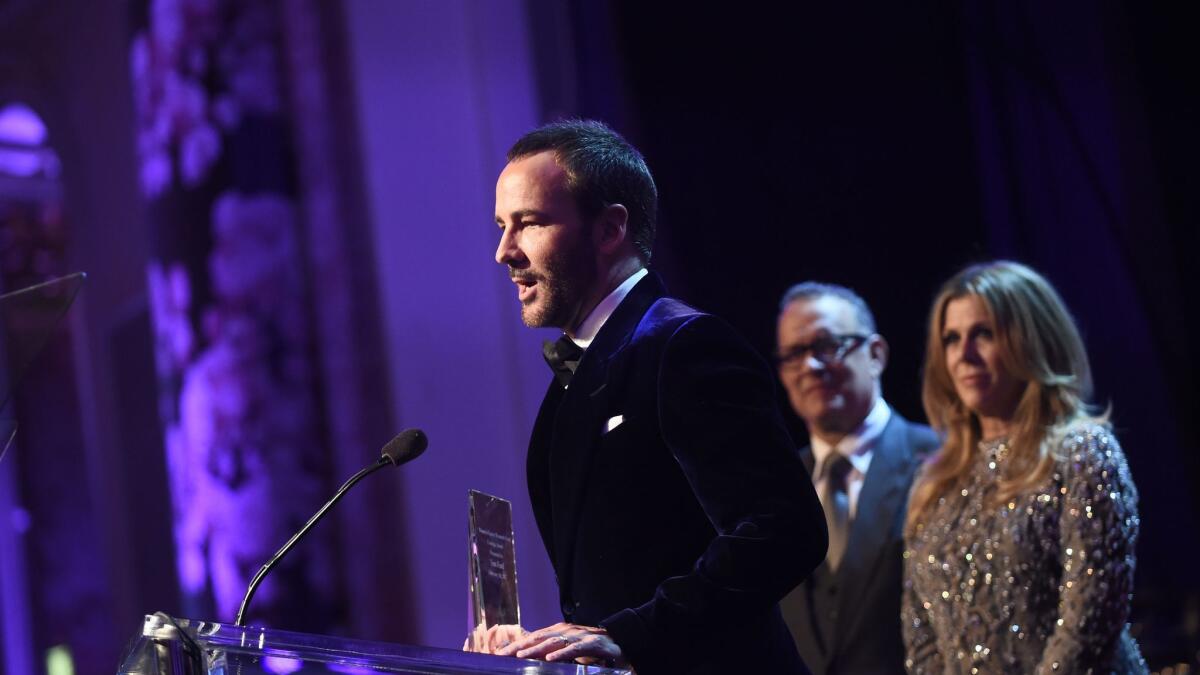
(825, 346)
(791, 355)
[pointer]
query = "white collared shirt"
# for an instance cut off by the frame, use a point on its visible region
(858, 446)
(595, 320)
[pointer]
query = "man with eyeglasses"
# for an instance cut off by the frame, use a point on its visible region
(862, 456)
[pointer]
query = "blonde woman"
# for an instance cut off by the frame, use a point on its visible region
(1021, 529)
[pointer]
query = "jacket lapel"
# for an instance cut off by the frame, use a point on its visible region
(578, 423)
(883, 494)
(537, 464)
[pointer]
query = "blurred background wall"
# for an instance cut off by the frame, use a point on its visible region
(284, 211)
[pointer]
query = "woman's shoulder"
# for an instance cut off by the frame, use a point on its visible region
(1081, 439)
(1088, 449)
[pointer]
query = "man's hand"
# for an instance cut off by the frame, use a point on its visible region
(568, 642)
(491, 640)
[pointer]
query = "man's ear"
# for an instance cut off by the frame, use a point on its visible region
(878, 349)
(611, 228)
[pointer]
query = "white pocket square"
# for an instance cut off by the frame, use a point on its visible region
(612, 423)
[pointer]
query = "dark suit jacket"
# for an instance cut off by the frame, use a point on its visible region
(679, 529)
(849, 622)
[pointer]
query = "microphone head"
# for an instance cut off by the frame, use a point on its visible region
(406, 446)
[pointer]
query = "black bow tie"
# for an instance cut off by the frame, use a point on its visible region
(562, 356)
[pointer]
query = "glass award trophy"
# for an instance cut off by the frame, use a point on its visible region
(27, 319)
(492, 564)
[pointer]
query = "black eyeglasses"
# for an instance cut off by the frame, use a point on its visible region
(827, 349)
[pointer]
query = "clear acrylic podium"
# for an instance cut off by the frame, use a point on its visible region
(168, 646)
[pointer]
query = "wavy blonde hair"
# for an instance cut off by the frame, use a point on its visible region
(1040, 346)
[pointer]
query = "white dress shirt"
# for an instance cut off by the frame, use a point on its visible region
(858, 446)
(595, 320)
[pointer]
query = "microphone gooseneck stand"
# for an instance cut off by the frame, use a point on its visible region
(405, 447)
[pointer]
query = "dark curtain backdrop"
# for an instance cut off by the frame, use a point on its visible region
(835, 145)
(884, 147)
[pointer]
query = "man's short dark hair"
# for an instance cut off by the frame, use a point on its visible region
(810, 290)
(602, 169)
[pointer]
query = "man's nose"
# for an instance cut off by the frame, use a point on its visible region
(507, 251)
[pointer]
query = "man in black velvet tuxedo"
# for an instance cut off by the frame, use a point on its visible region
(846, 616)
(674, 511)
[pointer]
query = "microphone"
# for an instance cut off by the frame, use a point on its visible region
(405, 447)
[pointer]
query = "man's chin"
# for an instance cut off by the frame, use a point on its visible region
(531, 319)
(548, 310)
(534, 316)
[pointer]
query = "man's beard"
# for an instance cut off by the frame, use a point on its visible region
(561, 288)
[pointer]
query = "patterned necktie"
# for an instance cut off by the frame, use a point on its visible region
(836, 502)
(563, 357)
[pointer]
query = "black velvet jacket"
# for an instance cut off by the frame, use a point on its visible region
(680, 527)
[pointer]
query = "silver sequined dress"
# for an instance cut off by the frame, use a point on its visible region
(1041, 584)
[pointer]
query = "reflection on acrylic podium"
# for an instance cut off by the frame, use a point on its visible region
(169, 646)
